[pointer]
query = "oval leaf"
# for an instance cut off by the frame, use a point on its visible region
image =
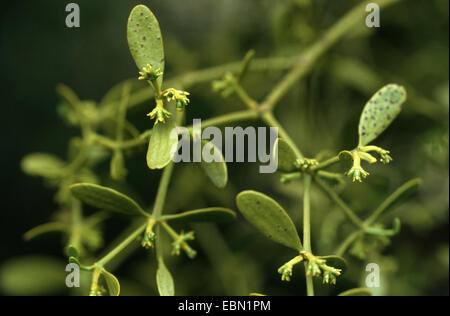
(106, 199)
(161, 146)
(32, 276)
(216, 170)
(286, 156)
(145, 40)
(269, 218)
(213, 214)
(357, 292)
(336, 262)
(380, 112)
(112, 283)
(164, 280)
(43, 165)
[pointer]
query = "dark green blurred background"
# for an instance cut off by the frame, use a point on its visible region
(411, 48)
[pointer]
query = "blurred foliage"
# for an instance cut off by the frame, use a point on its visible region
(410, 48)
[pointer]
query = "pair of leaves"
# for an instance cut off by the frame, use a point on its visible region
(269, 218)
(111, 200)
(162, 148)
(146, 46)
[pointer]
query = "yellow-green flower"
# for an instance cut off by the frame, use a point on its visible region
(160, 114)
(181, 97)
(149, 73)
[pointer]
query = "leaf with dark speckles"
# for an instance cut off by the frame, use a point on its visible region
(380, 112)
(145, 40)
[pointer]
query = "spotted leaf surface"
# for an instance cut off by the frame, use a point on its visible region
(380, 112)
(145, 40)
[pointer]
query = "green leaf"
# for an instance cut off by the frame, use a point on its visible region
(112, 283)
(401, 194)
(107, 199)
(213, 214)
(45, 229)
(160, 147)
(380, 112)
(336, 262)
(44, 165)
(145, 39)
(269, 218)
(32, 275)
(357, 292)
(216, 170)
(286, 156)
(164, 280)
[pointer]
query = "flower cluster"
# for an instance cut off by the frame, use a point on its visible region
(149, 73)
(357, 173)
(179, 96)
(181, 244)
(160, 114)
(315, 266)
(306, 163)
(149, 236)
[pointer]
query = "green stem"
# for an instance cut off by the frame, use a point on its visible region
(229, 119)
(162, 190)
(347, 242)
(139, 141)
(103, 141)
(244, 96)
(132, 237)
(304, 63)
(347, 210)
(170, 231)
(307, 229)
(157, 211)
(77, 219)
(325, 164)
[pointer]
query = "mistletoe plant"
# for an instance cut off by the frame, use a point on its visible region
(107, 134)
